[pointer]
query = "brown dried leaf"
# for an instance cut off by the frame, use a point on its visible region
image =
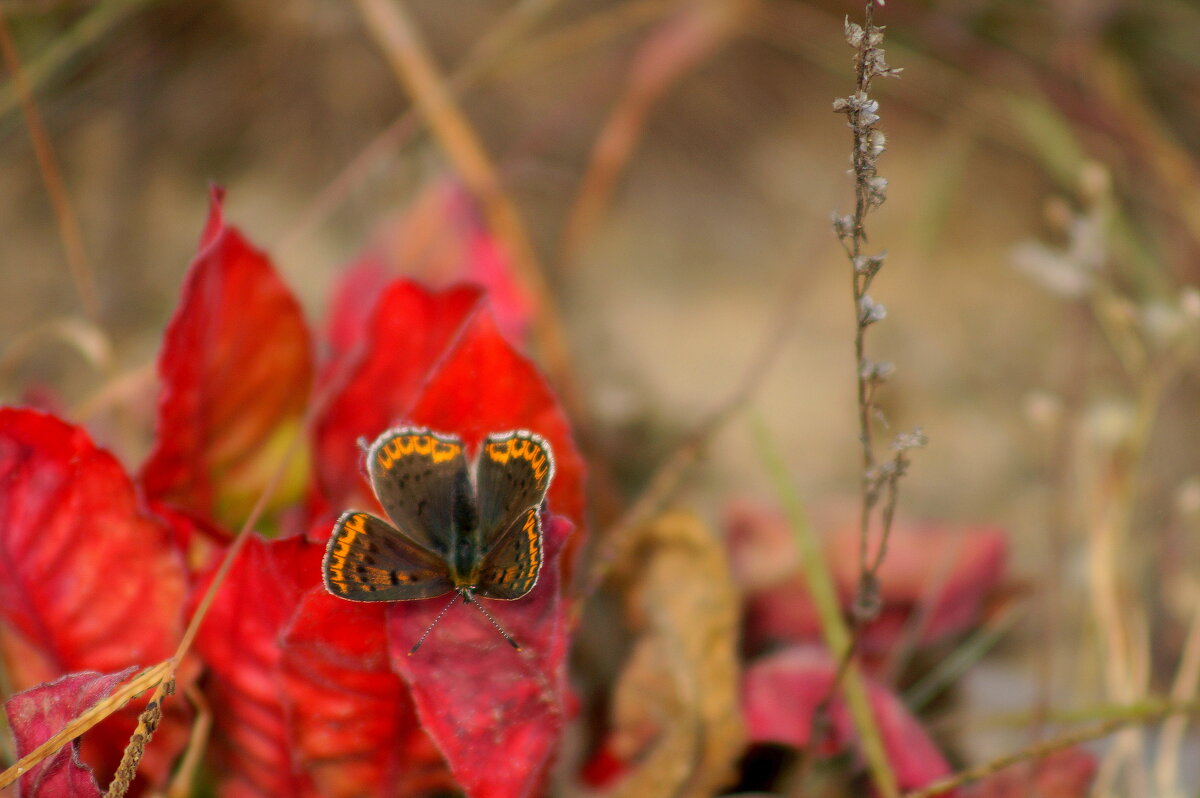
(675, 712)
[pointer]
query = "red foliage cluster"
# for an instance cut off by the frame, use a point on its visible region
(310, 695)
(934, 581)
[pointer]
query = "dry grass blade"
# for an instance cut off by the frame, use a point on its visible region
(677, 47)
(145, 680)
(147, 723)
(91, 28)
(64, 213)
(181, 782)
(1143, 714)
(398, 37)
(507, 33)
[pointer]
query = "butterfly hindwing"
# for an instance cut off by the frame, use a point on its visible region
(420, 478)
(510, 569)
(368, 560)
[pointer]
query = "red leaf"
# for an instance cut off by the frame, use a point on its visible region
(442, 240)
(39, 713)
(781, 693)
(236, 369)
(938, 573)
(350, 717)
(409, 329)
(351, 311)
(495, 713)
(482, 385)
(240, 642)
(87, 580)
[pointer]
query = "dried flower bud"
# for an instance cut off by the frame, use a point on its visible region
(1059, 274)
(870, 371)
(877, 142)
(877, 190)
(870, 311)
(867, 115)
(854, 33)
(843, 225)
(910, 440)
(868, 602)
(869, 264)
(875, 35)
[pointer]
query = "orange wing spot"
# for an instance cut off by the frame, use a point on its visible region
(354, 526)
(498, 452)
(531, 535)
(444, 450)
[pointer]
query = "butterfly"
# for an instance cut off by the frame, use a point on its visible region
(474, 532)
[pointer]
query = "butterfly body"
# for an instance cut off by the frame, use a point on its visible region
(475, 531)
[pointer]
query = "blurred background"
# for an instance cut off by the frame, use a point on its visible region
(676, 163)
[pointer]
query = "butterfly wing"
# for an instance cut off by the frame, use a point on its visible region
(510, 569)
(515, 469)
(420, 478)
(368, 560)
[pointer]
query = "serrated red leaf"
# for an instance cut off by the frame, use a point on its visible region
(37, 714)
(496, 713)
(239, 641)
(236, 370)
(352, 723)
(87, 580)
(410, 328)
(780, 694)
(482, 385)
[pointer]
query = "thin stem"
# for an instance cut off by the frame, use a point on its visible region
(1141, 714)
(64, 213)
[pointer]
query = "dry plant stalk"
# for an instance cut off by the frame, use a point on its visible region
(147, 724)
(880, 480)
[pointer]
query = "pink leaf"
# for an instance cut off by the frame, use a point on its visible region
(781, 693)
(37, 714)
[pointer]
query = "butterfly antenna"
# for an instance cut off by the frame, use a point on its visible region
(445, 609)
(467, 597)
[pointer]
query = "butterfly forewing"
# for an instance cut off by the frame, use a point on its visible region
(513, 474)
(368, 560)
(514, 471)
(420, 478)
